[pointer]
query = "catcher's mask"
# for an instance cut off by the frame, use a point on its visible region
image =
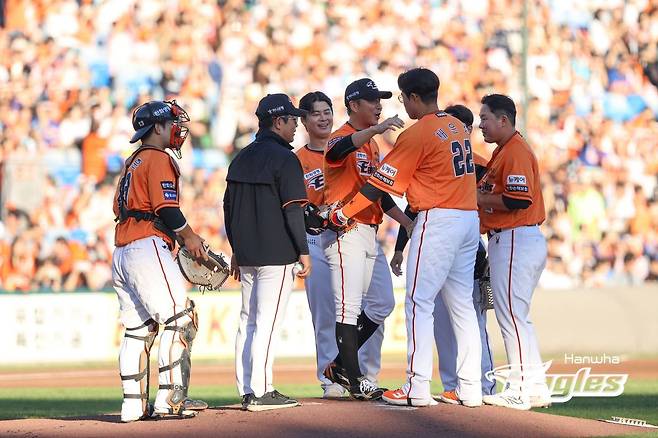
(147, 115)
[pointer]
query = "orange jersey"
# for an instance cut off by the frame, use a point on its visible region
(513, 171)
(149, 183)
(312, 164)
(344, 179)
(479, 160)
(432, 162)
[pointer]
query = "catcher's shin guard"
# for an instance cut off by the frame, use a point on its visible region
(175, 362)
(134, 368)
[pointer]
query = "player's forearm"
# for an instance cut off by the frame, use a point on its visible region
(491, 201)
(362, 137)
(398, 216)
(294, 216)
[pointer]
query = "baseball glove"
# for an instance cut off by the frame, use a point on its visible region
(336, 222)
(486, 292)
(207, 274)
(315, 219)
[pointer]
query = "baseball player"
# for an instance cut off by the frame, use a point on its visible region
(432, 163)
(318, 123)
(147, 280)
(264, 222)
(511, 209)
(355, 258)
(444, 336)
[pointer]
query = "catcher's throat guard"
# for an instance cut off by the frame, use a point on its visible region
(207, 274)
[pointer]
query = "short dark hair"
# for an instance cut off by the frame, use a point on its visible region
(500, 105)
(306, 102)
(424, 82)
(461, 112)
(266, 123)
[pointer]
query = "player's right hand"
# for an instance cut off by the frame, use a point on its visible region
(194, 244)
(396, 263)
(235, 269)
(392, 123)
(305, 260)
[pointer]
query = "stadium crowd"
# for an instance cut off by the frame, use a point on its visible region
(71, 72)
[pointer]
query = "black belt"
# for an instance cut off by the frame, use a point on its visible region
(500, 230)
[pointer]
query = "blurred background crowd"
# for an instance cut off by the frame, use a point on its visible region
(72, 71)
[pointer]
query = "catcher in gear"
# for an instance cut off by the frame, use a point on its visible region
(148, 283)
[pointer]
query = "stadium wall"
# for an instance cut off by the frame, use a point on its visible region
(76, 327)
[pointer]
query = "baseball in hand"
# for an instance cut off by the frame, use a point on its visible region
(297, 268)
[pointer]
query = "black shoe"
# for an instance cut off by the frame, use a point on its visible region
(246, 399)
(194, 405)
(337, 374)
(271, 400)
(366, 390)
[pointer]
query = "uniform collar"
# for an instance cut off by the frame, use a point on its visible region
(266, 134)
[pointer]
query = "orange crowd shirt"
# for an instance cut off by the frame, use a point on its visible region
(513, 171)
(312, 164)
(432, 162)
(345, 178)
(149, 183)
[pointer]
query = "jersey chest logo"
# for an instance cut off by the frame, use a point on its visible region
(365, 167)
(314, 179)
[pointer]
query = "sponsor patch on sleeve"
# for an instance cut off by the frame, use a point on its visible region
(168, 185)
(516, 188)
(383, 178)
(334, 140)
(170, 195)
(388, 170)
(519, 180)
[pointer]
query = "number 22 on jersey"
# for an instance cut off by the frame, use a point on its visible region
(462, 157)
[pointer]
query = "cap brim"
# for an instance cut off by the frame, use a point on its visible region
(298, 112)
(140, 133)
(385, 94)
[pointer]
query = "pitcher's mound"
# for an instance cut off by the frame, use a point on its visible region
(330, 418)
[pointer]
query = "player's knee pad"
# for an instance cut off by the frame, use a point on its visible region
(135, 353)
(184, 325)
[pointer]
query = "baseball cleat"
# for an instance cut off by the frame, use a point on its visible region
(337, 375)
(399, 397)
(333, 391)
(452, 398)
(539, 401)
(366, 390)
(194, 405)
(269, 401)
(168, 412)
(129, 415)
(246, 399)
(508, 399)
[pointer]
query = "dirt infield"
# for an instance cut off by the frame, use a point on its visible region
(329, 418)
(284, 373)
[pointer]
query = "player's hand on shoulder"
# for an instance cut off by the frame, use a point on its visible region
(392, 123)
(396, 263)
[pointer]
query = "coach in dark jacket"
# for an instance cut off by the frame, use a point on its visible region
(264, 222)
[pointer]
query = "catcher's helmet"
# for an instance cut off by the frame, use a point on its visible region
(150, 113)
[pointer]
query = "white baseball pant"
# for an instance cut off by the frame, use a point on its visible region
(517, 258)
(441, 260)
(446, 344)
(265, 294)
(321, 302)
(149, 285)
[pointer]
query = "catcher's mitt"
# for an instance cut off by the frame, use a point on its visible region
(315, 219)
(207, 274)
(486, 292)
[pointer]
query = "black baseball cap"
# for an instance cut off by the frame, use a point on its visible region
(276, 105)
(147, 115)
(364, 88)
